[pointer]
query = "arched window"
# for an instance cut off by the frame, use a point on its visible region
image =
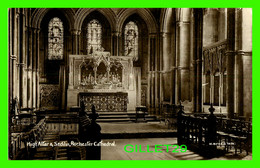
(94, 36)
(55, 39)
(131, 40)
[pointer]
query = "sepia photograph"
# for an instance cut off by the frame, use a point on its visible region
(129, 83)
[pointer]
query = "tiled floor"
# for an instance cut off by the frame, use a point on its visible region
(117, 152)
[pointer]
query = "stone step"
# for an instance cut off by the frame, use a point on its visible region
(129, 116)
(113, 116)
(114, 120)
(62, 158)
(116, 113)
(127, 120)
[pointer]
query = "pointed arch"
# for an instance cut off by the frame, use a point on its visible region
(39, 14)
(81, 14)
(166, 19)
(145, 14)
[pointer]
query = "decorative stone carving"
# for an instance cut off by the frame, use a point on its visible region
(49, 96)
(214, 57)
(100, 71)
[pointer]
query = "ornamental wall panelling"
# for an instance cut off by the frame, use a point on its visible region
(49, 96)
(215, 64)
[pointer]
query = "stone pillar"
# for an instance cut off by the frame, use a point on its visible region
(20, 62)
(243, 62)
(184, 60)
(230, 54)
(11, 57)
(197, 59)
(37, 65)
(166, 67)
(75, 41)
(152, 59)
(34, 76)
(157, 76)
(239, 83)
(30, 65)
(115, 43)
(62, 82)
(15, 53)
(247, 60)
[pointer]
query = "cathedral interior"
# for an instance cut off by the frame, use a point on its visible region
(129, 75)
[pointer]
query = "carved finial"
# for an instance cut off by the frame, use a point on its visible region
(93, 115)
(211, 109)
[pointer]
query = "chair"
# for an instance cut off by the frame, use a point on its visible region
(141, 111)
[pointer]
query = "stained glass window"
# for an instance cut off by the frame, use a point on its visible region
(94, 36)
(55, 39)
(131, 39)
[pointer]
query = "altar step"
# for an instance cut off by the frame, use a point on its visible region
(122, 117)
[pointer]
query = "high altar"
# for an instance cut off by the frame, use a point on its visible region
(106, 81)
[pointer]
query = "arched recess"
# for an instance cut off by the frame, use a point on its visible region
(142, 60)
(105, 34)
(147, 26)
(49, 69)
(53, 73)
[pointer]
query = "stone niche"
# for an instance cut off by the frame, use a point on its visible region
(101, 73)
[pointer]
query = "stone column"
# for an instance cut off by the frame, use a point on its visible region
(15, 54)
(230, 54)
(37, 65)
(75, 41)
(11, 57)
(34, 68)
(243, 62)
(184, 60)
(115, 43)
(157, 76)
(152, 58)
(20, 62)
(197, 59)
(25, 69)
(30, 65)
(166, 67)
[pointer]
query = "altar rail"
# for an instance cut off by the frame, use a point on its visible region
(207, 132)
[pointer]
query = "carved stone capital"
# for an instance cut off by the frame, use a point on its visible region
(13, 57)
(75, 32)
